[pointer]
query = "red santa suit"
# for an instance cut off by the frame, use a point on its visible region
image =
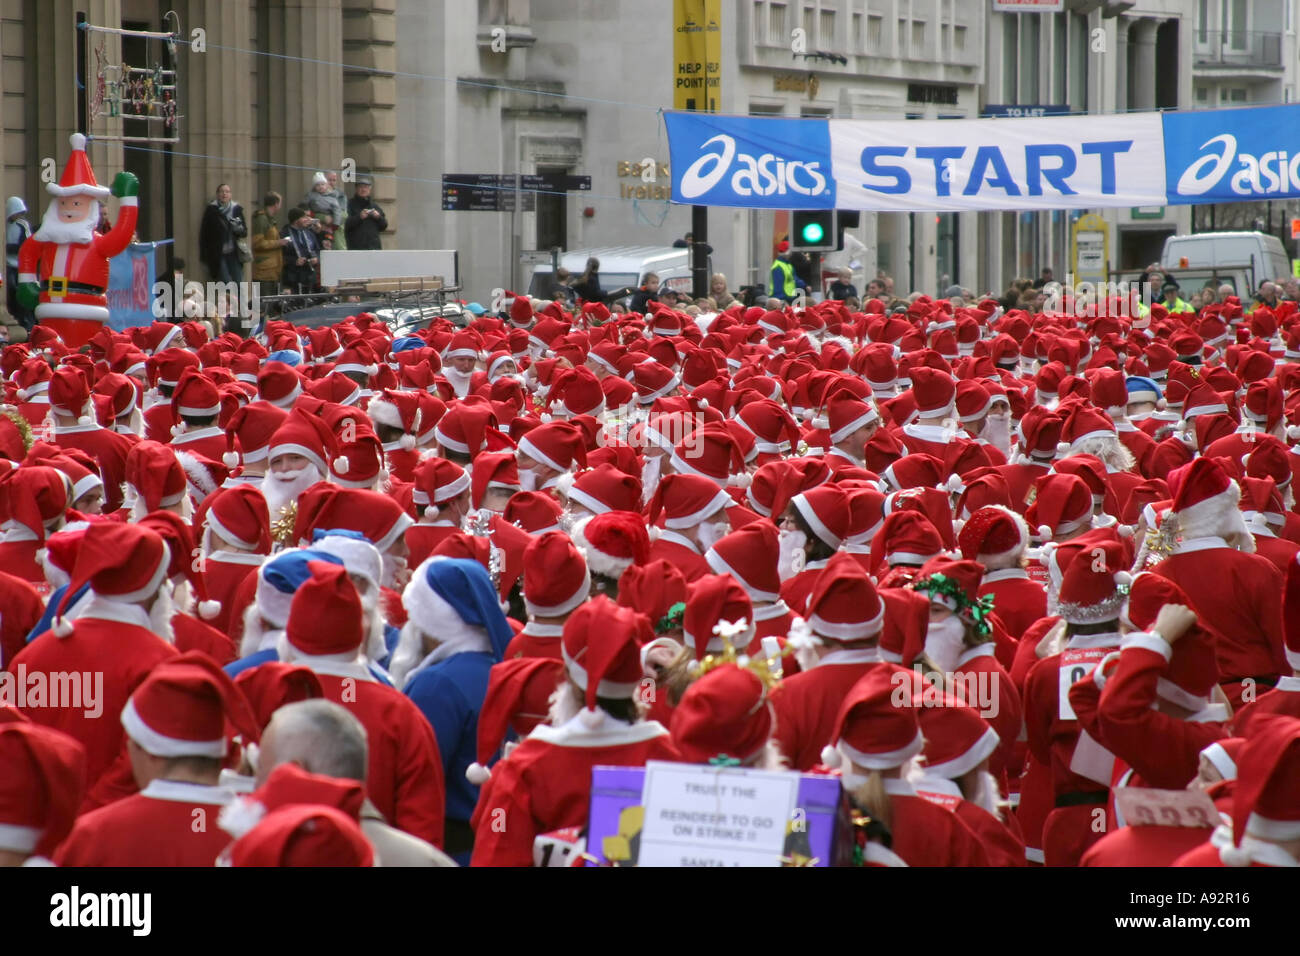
(979, 673)
(545, 783)
(158, 422)
(404, 779)
(1138, 442)
(209, 443)
(1001, 844)
(223, 573)
(928, 835)
(1283, 699)
(1280, 551)
(927, 439)
(1243, 609)
(808, 703)
(537, 640)
(23, 608)
(168, 823)
(18, 549)
(108, 448)
(1018, 601)
(681, 552)
(1155, 844)
(74, 275)
(109, 638)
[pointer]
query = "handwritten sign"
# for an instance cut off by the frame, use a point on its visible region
(715, 816)
(1146, 807)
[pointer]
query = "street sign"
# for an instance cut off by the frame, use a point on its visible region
(697, 55)
(554, 183)
(1091, 247)
(484, 192)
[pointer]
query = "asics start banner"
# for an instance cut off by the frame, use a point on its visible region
(1060, 162)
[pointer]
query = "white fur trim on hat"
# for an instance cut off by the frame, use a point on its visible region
(972, 758)
(606, 688)
(881, 761)
(160, 745)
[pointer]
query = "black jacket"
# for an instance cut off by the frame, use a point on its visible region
(216, 230)
(589, 291)
(363, 233)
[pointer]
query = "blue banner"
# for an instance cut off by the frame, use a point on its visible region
(1007, 163)
(130, 286)
(764, 163)
(1232, 155)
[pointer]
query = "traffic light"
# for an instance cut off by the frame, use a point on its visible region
(813, 230)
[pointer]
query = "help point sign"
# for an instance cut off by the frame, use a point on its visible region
(698, 815)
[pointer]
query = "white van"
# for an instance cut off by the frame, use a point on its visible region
(621, 267)
(1263, 254)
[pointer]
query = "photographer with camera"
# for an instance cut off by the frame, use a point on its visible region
(223, 243)
(302, 254)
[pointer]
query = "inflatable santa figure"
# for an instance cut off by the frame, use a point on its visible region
(63, 266)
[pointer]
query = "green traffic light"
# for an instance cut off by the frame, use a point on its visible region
(813, 233)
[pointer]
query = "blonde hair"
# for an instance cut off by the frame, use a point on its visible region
(873, 800)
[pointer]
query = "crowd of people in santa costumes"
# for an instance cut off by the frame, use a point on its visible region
(366, 599)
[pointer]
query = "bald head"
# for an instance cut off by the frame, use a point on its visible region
(319, 736)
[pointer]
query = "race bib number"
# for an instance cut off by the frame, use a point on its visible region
(1076, 664)
(559, 847)
(1144, 807)
(945, 800)
(1038, 573)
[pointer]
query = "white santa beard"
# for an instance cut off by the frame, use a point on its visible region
(160, 613)
(409, 652)
(55, 230)
(566, 703)
(944, 642)
(280, 491)
(986, 796)
(459, 381)
(997, 432)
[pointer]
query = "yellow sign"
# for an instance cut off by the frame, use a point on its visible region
(697, 55)
(1090, 249)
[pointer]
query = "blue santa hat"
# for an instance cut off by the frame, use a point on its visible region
(1142, 389)
(406, 343)
(463, 586)
(279, 579)
(287, 356)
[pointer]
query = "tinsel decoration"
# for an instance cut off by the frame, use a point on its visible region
(977, 612)
(766, 669)
(282, 527)
(23, 426)
(672, 621)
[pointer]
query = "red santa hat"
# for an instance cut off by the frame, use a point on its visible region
(325, 616)
(556, 445)
(497, 469)
(270, 685)
(606, 488)
(601, 648)
(577, 391)
(288, 785)
(518, 699)
(556, 578)
(120, 561)
(873, 730)
(359, 462)
(279, 384)
(238, 515)
(750, 554)
(302, 835)
(710, 452)
(957, 738)
(438, 480)
(34, 496)
(251, 427)
(933, 391)
(1266, 804)
(653, 381)
(41, 789)
(153, 470)
(534, 511)
(714, 601)
(400, 410)
(966, 574)
(1204, 495)
(724, 713)
(1192, 671)
(375, 516)
(844, 605)
(846, 413)
(78, 176)
(1095, 584)
(686, 500)
(612, 542)
(306, 435)
(183, 706)
(993, 533)
(905, 537)
(195, 395)
(776, 482)
(917, 470)
(773, 427)
(69, 393)
(1062, 505)
(826, 511)
(464, 428)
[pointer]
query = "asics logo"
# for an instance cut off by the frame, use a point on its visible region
(765, 175)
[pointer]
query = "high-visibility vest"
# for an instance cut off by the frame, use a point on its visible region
(787, 271)
(1179, 306)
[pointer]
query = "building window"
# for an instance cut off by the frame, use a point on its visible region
(857, 33)
(1010, 61)
(775, 23)
(959, 38)
(1202, 94)
(902, 37)
(875, 30)
(1237, 95)
(1203, 22)
(808, 25)
(826, 31)
(918, 36)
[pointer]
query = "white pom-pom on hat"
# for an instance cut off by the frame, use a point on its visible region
(1044, 531)
(831, 756)
(61, 627)
(84, 419)
(406, 442)
(1232, 855)
(341, 464)
(78, 140)
(1123, 579)
(591, 718)
(178, 430)
(477, 774)
(230, 459)
(209, 609)
(1063, 448)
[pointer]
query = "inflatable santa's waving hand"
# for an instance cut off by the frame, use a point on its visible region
(63, 267)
